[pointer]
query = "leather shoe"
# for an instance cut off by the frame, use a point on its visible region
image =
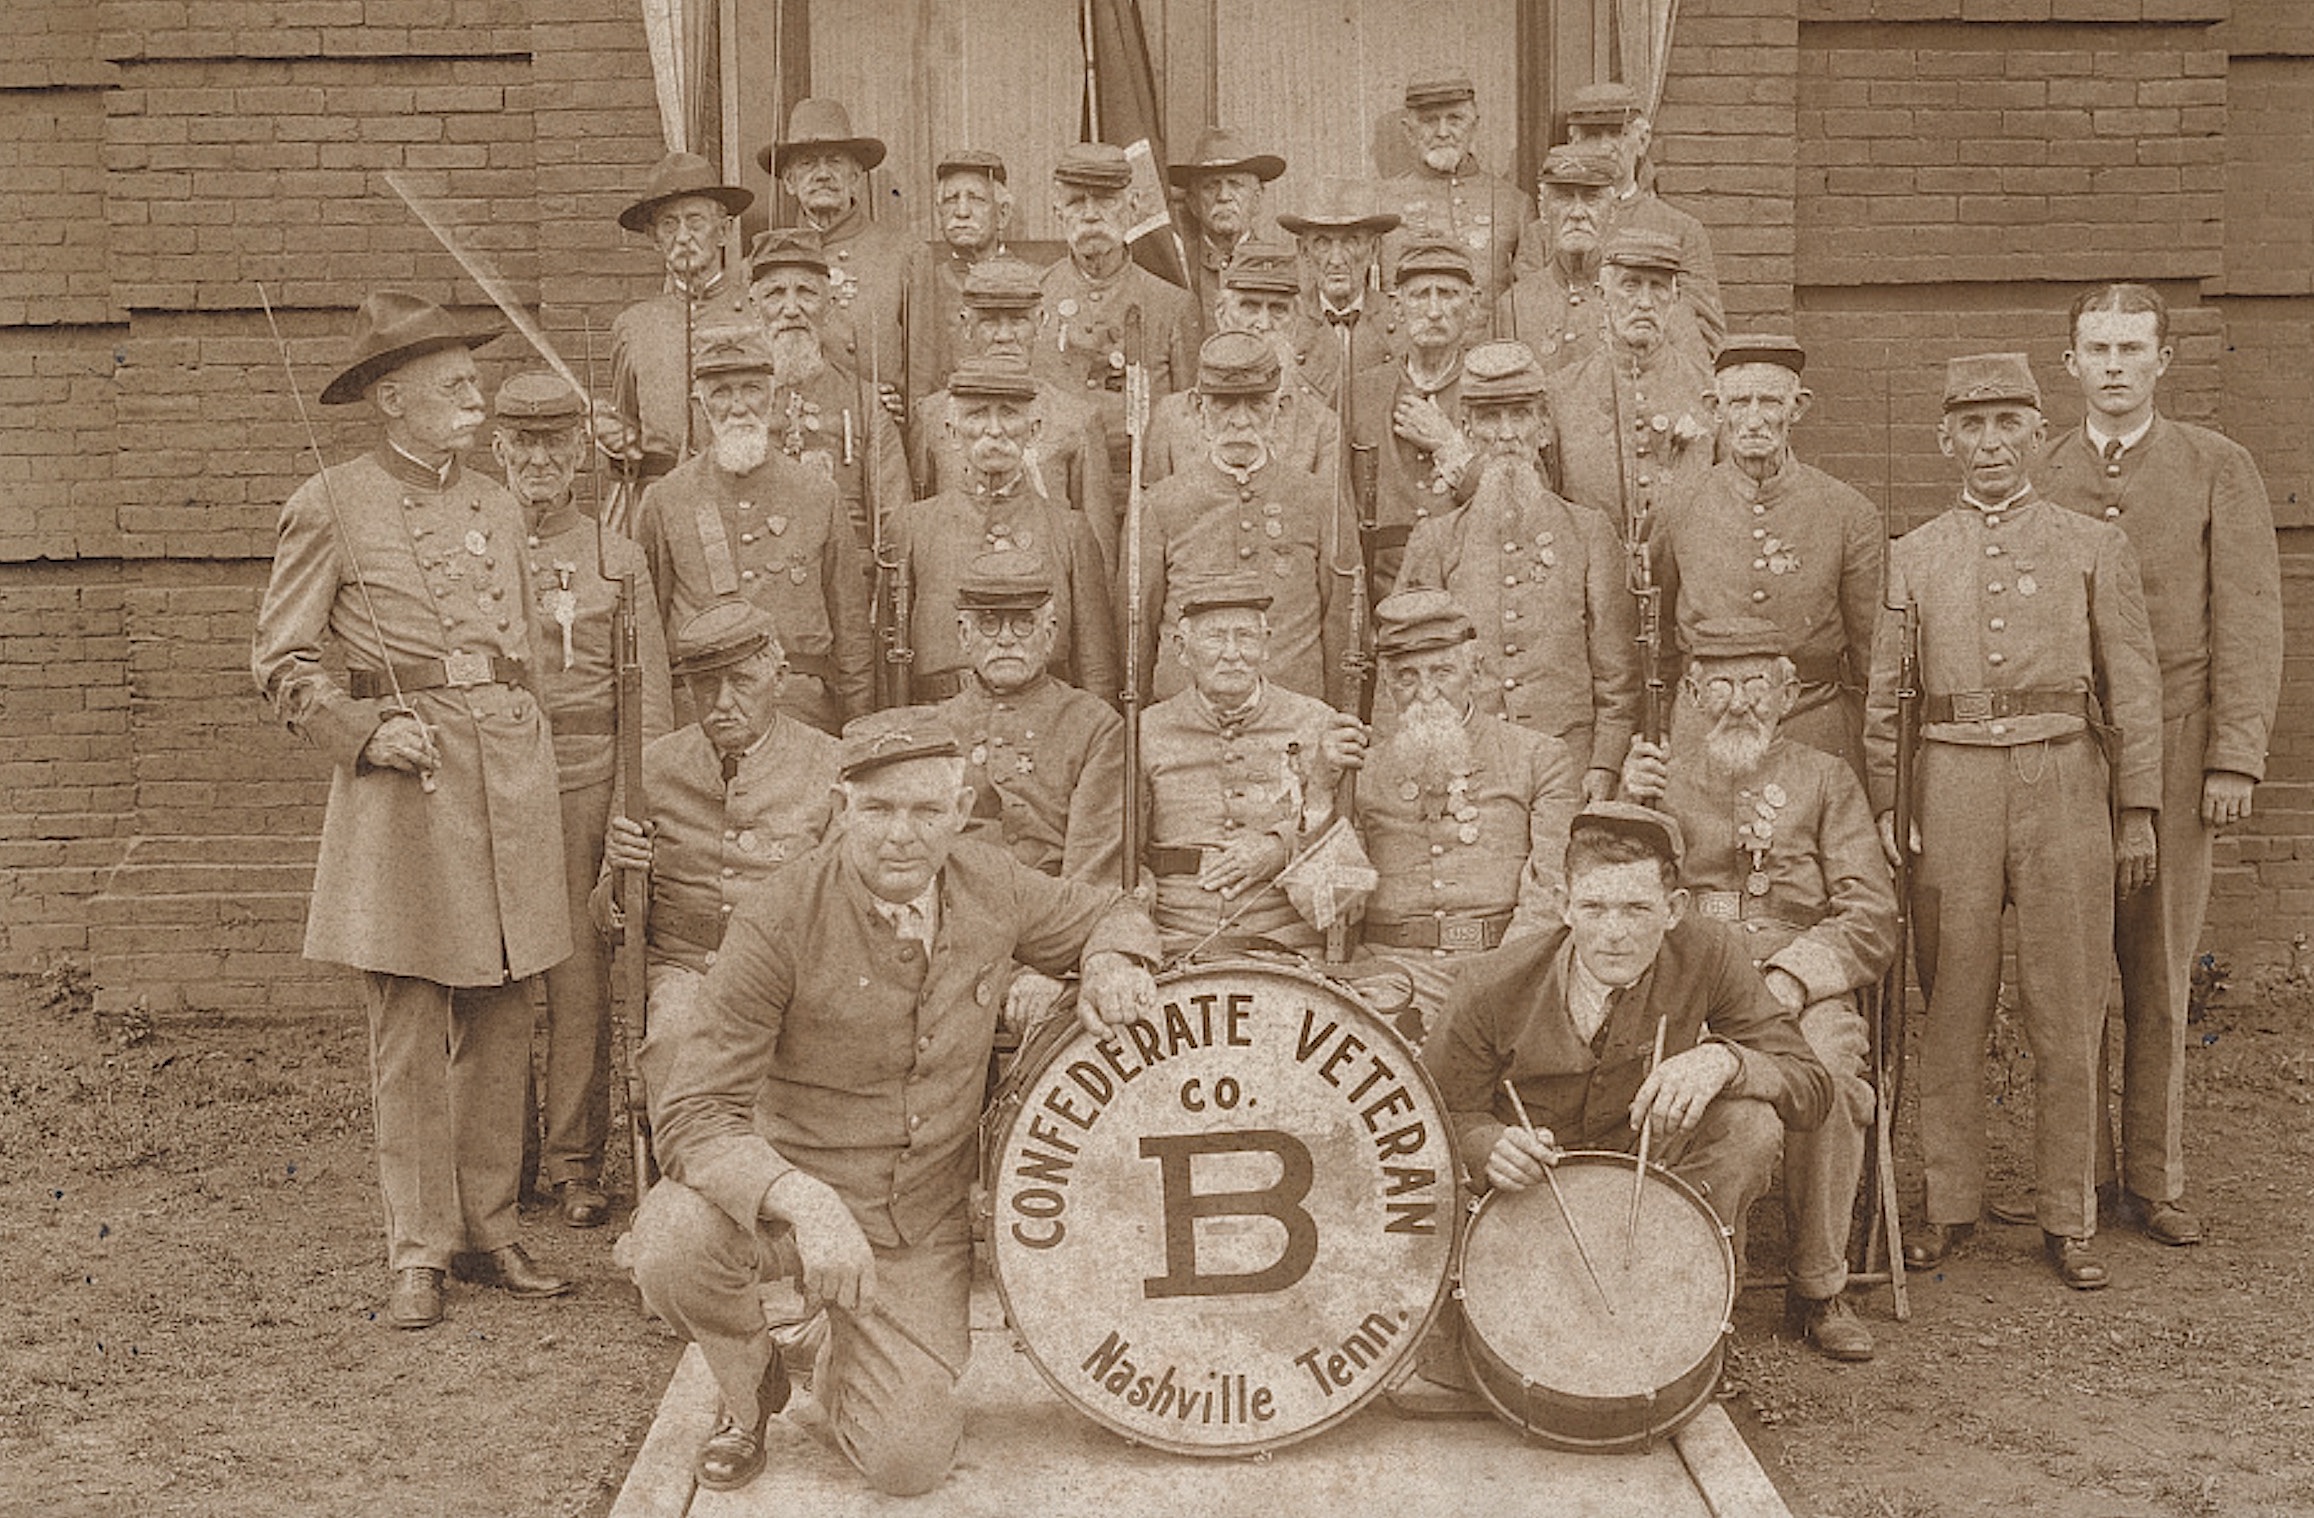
(2166, 1222)
(1830, 1324)
(2022, 1212)
(2076, 1266)
(733, 1454)
(511, 1270)
(583, 1204)
(1929, 1248)
(417, 1298)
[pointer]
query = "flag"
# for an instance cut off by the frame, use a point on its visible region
(1329, 880)
(1121, 107)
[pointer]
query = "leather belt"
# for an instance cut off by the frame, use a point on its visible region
(935, 687)
(1818, 669)
(1392, 536)
(1985, 705)
(693, 930)
(582, 724)
(1173, 861)
(459, 671)
(1469, 934)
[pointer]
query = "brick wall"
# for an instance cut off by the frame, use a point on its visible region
(1726, 149)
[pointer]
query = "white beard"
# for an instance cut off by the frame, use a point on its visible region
(741, 447)
(1735, 745)
(1442, 160)
(796, 356)
(1433, 742)
(1511, 486)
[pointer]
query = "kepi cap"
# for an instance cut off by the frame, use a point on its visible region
(882, 739)
(1642, 248)
(1220, 593)
(1237, 363)
(1446, 89)
(970, 161)
(726, 633)
(1610, 104)
(730, 348)
(1094, 165)
(1737, 638)
(1500, 371)
(1002, 284)
(1760, 348)
(1983, 378)
(1572, 165)
(818, 123)
(539, 398)
(1219, 152)
(1417, 621)
(1435, 255)
(1658, 830)
(786, 248)
(390, 330)
(1010, 579)
(1337, 204)
(992, 379)
(1271, 268)
(678, 175)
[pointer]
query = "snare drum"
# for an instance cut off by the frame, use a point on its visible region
(1611, 1365)
(1222, 1230)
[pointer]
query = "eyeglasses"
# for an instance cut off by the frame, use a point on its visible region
(1016, 623)
(1719, 690)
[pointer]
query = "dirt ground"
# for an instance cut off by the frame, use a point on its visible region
(191, 1260)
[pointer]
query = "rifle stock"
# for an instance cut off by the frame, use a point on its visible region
(890, 609)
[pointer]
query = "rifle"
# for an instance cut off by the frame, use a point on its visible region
(893, 591)
(1885, 1031)
(1361, 476)
(630, 979)
(1136, 433)
(1639, 563)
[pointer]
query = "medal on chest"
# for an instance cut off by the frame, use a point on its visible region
(1756, 834)
(565, 609)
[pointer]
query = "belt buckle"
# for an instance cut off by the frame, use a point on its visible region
(1972, 706)
(466, 669)
(1462, 933)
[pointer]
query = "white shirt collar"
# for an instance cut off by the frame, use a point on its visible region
(2098, 438)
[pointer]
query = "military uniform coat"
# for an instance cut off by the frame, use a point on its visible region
(651, 362)
(1492, 841)
(1318, 344)
(832, 424)
(462, 886)
(1047, 769)
(714, 840)
(1666, 430)
(1278, 525)
(1211, 779)
(1564, 321)
(1789, 856)
(582, 699)
(1802, 550)
(1308, 436)
(773, 536)
(1545, 586)
(939, 324)
(2029, 597)
(1480, 211)
(1699, 271)
(2196, 511)
(939, 538)
(1409, 489)
(830, 1044)
(1069, 461)
(1507, 1018)
(867, 270)
(1082, 348)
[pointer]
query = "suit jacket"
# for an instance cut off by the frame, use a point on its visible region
(462, 885)
(2196, 511)
(1507, 1017)
(828, 1043)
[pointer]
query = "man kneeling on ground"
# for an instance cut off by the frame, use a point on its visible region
(821, 1114)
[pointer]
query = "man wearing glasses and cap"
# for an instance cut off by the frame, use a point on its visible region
(1447, 195)
(1610, 117)
(2038, 777)
(1221, 192)
(686, 211)
(822, 1121)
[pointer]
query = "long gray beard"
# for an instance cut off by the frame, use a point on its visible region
(796, 357)
(1511, 486)
(741, 448)
(1735, 746)
(1433, 742)
(1442, 160)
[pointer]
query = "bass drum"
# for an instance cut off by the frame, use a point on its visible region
(1224, 1229)
(1604, 1365)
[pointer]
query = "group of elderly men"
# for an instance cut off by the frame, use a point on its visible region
(1476, 433)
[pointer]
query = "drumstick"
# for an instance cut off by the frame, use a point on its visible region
(1551, 1175)
(1639, 1170)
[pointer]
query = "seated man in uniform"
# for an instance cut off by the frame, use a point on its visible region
(1784, 848)
(821, 1116)
(1236, 771)
(733, 797)
(1464, 817)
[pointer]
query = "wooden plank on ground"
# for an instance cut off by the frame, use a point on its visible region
(659, 1483)
(1724, 1469)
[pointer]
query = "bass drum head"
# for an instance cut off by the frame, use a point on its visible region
(1223, 1230)
(1610, 1365)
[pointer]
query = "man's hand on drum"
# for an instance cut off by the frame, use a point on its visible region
(1519, 1157)
(839, 1269)
(1674, 1096)
(1118, 989)
(1247, 862)
(1029, 1000)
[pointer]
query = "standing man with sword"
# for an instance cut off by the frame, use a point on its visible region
(441, 850)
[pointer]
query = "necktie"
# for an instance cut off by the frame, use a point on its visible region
(730, 766)
(2112, 458)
